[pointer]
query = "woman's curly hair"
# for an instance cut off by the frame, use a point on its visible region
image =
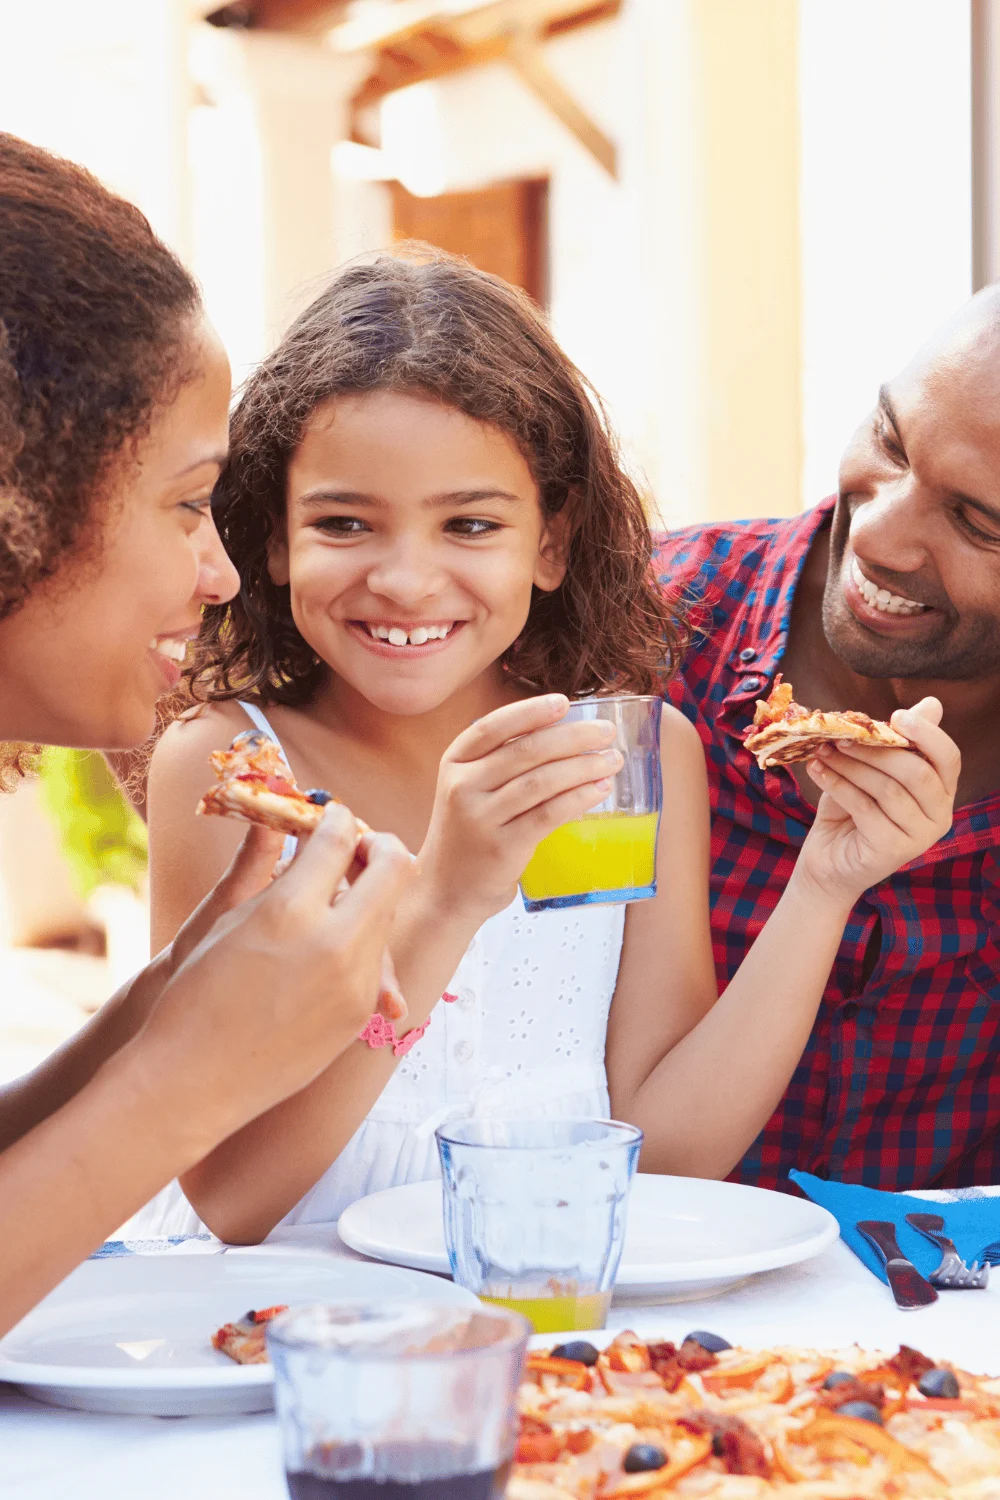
(94, 317)
(430, 324)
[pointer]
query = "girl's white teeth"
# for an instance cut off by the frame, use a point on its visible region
(172, 649)
(881, 599)
(418, 636)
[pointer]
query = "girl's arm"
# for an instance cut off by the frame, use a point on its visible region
(702, 1076)
(504, 783)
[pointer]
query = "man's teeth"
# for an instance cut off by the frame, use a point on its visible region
(881, 599)
(172, 649)
(418, 636)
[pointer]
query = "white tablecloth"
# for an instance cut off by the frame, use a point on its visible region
(49, 1454)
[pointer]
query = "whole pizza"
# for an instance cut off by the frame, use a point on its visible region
(704, 1419)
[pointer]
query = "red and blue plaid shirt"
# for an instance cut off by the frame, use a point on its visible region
(899, 1085)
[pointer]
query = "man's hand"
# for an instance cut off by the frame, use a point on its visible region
(880, 808)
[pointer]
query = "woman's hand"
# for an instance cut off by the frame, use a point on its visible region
(880, 808)
(506, 782)
(263, 998)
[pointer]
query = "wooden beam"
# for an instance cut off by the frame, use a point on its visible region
(524, 55)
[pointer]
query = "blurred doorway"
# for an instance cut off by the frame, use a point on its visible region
(502, 228)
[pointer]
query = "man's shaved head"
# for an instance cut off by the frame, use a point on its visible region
(913, 585)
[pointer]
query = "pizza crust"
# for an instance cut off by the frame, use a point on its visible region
(783, 731)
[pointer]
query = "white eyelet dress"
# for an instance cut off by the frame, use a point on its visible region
(524, 1035)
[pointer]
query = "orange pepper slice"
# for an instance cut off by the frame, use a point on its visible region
(743, 1375)
(940, 1404)
(785, 1468)
(570, 1370)
(866, 1435)
(661, 1479)
(629, 1359)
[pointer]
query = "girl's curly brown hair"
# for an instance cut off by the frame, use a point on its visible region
(94, 314)
(433, 325)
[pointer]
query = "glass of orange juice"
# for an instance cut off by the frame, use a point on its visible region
(535, 1212)
(610, 853)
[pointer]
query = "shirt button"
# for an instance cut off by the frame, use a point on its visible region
(463, 1051)
(751, 684)
(747, 654)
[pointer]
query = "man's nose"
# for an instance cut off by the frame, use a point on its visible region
(887, 531)
(218, 580)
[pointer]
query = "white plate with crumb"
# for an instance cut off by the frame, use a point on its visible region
(134, 1333)
(686, 1237)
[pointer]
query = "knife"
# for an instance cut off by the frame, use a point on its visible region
(909, 1288)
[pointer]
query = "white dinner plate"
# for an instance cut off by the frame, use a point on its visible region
(686, 1237)
(133, 1333)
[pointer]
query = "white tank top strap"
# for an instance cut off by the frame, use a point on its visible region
(259, 720)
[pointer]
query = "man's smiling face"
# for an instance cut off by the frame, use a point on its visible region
(913, 585)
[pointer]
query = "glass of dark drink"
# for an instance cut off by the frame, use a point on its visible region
(397, 1399)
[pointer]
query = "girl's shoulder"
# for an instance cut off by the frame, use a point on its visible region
(182, 751)
(678, 736)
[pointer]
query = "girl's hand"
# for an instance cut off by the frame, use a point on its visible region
(506, 782)
(880, 808)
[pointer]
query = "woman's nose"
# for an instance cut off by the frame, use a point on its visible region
(218, 580)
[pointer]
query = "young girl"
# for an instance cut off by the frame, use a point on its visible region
(437, 547)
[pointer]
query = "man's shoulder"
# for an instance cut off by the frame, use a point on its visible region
(717, 552)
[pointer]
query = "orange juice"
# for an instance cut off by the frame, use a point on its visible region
(605, 852)
(559, 1313)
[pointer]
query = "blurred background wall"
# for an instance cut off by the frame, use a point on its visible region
(741, 216)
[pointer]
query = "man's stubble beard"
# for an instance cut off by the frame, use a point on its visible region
(960, 651)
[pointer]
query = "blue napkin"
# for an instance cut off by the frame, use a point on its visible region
(972, 1223)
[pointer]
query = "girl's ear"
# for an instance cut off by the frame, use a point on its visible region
(553, 549)
(277, 561)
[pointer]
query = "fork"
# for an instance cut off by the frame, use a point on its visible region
(991, 1254)
(952, 1274)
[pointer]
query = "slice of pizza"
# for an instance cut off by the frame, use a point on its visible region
(243, 1340)
(783, 731)
(255, 784)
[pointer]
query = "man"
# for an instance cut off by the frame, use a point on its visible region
(881, 595)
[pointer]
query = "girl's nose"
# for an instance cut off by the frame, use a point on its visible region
(218, 580)
(407, 578)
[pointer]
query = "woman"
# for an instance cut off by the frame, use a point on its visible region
(114, 396)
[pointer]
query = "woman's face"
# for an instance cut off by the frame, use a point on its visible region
(84, 661)
(414, 535)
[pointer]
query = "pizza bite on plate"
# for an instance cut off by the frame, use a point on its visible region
(243, 1341)
(783, 731)
(256, 784)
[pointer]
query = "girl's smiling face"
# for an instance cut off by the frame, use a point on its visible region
(414, 535)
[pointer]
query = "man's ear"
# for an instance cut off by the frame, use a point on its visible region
(277, 560)
(553, 549)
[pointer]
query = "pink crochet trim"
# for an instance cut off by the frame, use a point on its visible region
(382, 1033)
(449, 999)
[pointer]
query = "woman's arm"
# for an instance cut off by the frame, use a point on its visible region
(261, 1004)
(701, 1078)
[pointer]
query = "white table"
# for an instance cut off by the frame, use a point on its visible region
(49, 1454)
